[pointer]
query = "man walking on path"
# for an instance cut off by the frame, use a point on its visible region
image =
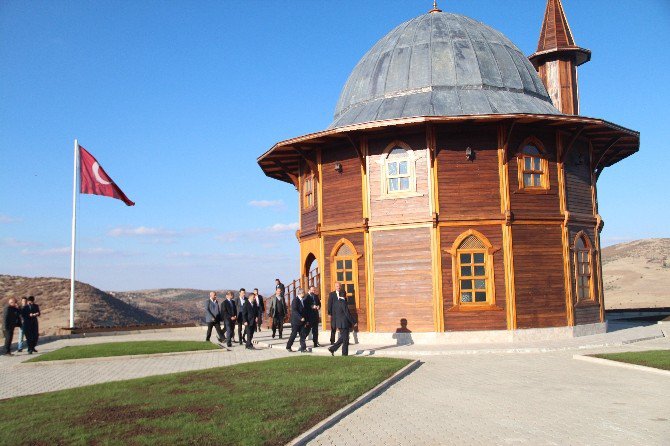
(343, 322)
(213, 317)
(229, 315)
(277, 312)
(22, 335)
(261, 309)
(332, 298)
(249, 316)
(11, 318)
(299, 315)
(314, 304)
(239, 301)
(31, 328)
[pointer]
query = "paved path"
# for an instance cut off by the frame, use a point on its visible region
(50, 376)
(527, 399)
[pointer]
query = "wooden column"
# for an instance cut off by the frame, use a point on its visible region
(324, 287)
(367, 240)
(565, 234)
(508, 256)
(599, 227)
(436, 264)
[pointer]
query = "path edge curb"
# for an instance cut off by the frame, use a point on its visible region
(335, 418)
(624, 365)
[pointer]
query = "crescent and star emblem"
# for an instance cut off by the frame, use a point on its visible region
(96, 172)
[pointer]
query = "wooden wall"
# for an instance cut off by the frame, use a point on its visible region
(359, 307)
(578, 179)
(538, 276)
(402, 279)
(385, 210)
(342, 192)
(468, 189)
(489, 319)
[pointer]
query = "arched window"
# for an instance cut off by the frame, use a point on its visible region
(533, 168)
(583, 270)
(344, 266)
(473, 270)
(398, 165)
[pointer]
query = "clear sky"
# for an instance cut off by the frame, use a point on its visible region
(177, 99)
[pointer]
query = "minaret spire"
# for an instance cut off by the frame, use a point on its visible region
(435, 8)
(557, 58)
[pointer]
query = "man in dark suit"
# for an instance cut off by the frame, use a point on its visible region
(239, 302)
(261, 309)
(213, 317)
(11, 318)
(229, 315)
(332, 298)
(314, 304)
(277, 312)
(299, 321)
(343, 322)
(29, 315)
(249, 315)
(280, 286)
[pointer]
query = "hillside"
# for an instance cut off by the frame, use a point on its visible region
(637, 274)
(93, 307)
(173, 305)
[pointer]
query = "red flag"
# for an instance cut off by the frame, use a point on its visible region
(94, 179)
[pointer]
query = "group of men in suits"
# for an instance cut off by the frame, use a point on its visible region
(243, 311)
(24, 317)
(304, 319)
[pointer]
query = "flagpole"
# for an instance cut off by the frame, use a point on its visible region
(74, 229)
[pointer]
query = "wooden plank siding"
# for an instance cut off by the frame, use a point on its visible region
(402, 279)
(342, 192)
(538, 275)
(385, 209)
(468, 189)
(356, 238)
(578, 180)
(533, 204)
(489, 319)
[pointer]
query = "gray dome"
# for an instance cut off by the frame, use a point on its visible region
(441, 64)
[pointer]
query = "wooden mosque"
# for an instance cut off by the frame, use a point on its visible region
(455, 188)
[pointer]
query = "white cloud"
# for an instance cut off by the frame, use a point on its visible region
(65, 251)
(4, 218)
(141, 231)
(280, 227)
(266, 203)
(259, 234)
(14, 243)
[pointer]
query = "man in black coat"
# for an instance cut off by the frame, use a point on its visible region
(213, 317)
(299, 321)
(239, 302)
(11, 318)
(249, 315)
(314, 304)
(29, 315)
(343, 322)
(261, 309)
(229, 315)
(277, 312)
(332, 298)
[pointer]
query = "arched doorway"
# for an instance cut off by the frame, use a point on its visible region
(310, 272)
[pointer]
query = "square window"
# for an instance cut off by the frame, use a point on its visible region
(480, 284)
(527, 179)
(536, 164)
(480, 271)
(537, 181)
(480, 296)
(527, 163)
(404, 183)
(393, 168)
(466, 270)
(340, 264)
(466, 258)
(393, 184)
(348, 276)
(402, 168)
(466, 297)
(479, 257)
(347, 264)
(466, 284)
(350, 289)
(340, 277)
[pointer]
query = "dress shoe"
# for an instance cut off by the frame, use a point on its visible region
(273, 336)
(20, 350)
(317, 345)
(289, 350)
(35, 350)
(221, 341)
(229, 345)
(332, 352)
(250, 347)
(30, 352)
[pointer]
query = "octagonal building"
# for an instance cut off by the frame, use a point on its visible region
(455, 189)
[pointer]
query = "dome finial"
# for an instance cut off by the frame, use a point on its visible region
(435, 8)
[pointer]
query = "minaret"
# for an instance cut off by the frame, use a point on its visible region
(557, 58)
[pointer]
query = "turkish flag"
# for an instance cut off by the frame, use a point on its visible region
(94, 179)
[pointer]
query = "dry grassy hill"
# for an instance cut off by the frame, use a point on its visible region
(173, 305)
(94, 308)
(637, 274)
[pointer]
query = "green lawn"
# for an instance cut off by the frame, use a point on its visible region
(123, 348)
(259, 403)
(659, 359)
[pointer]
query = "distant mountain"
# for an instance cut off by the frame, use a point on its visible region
(637, 274)
(94, 308)
(173, 305)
